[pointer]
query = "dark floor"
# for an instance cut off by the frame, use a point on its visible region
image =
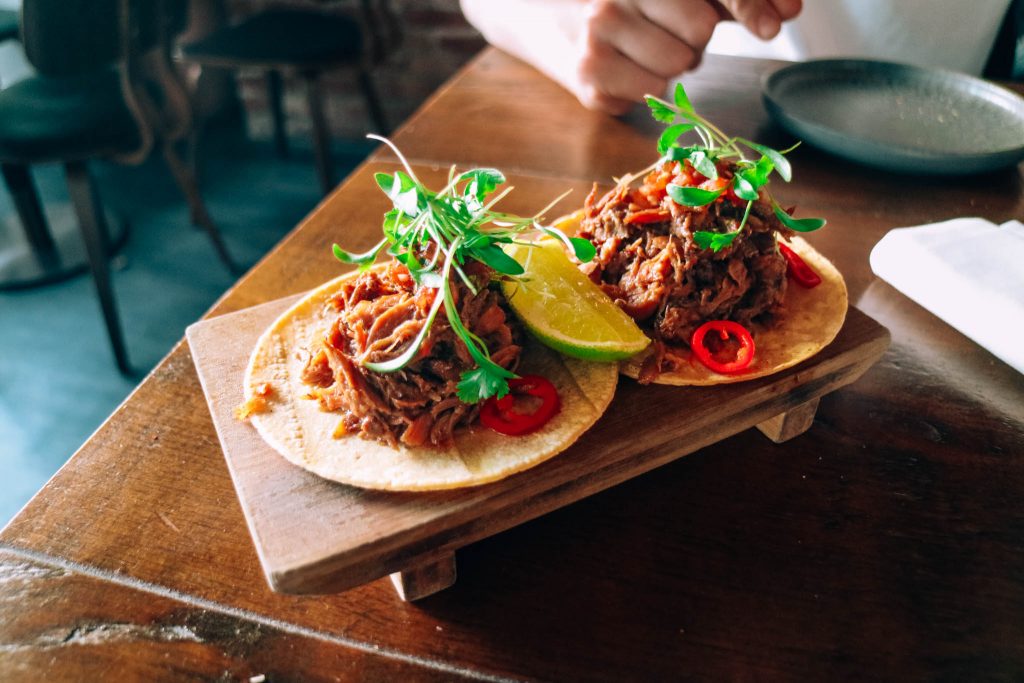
(58, 381)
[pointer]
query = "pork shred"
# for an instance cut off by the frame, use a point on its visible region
(374, 318)
(648, 263)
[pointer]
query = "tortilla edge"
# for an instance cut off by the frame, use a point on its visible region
(602, 391)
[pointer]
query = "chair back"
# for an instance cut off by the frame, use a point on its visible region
(70, 37)
(65, 38)
(382, 27)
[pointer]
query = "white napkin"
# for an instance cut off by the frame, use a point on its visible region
(967, 271)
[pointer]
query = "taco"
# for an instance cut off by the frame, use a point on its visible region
(699, 250)
(298, 427)
(413, 375)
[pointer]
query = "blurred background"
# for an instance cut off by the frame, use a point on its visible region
(58, 376)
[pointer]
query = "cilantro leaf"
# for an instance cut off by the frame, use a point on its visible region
(480, 383)
(716, 241)
(659, 110)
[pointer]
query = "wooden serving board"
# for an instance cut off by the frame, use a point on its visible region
(316, 536)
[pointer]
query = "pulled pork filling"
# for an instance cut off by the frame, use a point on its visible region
(375, 317)
(649, 264)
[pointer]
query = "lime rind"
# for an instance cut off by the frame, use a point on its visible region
(565, 310)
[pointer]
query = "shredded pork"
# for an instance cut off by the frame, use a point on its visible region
(648, 263)
(374, 318)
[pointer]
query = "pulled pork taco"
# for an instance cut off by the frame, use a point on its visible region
(707, 263)
(412, 375)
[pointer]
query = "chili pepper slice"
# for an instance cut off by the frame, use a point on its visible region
(797, 269)
(726, 185)
(500, 414)
(688, 176)
(647, 216)
(725, 329)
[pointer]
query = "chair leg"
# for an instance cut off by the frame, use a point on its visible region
(92, 221)
(321, 135)
(30, 211)
(187, 182)
(192, 141)
(275, 100)
(373, 102)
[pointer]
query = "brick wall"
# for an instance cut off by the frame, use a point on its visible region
(436, 41)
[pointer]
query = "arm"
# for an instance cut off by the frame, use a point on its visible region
(608, 53)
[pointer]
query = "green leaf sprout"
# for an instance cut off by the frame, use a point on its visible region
(460, 222)
(692, 196)
(748, 181)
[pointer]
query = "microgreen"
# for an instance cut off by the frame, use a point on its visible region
(449, 227)
(692, 196)
(798, 224)
(749, 180)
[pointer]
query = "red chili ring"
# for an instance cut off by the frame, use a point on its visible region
(500, 414)
(725, 329)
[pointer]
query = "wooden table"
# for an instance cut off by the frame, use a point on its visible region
(886, 542)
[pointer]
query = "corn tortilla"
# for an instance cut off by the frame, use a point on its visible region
(811, 318)
(300, 431)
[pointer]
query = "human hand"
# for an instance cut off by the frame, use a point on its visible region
(631, 47)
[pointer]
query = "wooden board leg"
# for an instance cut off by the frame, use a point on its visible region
(794, 422)
(426, 579)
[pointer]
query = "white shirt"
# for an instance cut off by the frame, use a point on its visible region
(948, 34)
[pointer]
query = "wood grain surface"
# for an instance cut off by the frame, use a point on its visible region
(59, 624)
(886, 542)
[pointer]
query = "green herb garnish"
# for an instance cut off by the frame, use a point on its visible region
(750, 177)
(447, 228)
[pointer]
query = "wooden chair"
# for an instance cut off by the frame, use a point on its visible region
(105, 89)
(8, 24)
(305, 43)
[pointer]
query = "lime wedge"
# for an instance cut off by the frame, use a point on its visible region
(565, 310)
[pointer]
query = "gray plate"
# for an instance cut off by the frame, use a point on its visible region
(898, 117)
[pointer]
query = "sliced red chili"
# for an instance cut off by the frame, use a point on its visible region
(797, 269)
(688, 176)
(726, 185)
(725, 330)
(647, 216)
(502, 414)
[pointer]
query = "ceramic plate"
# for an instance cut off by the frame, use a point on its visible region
(899, 117)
